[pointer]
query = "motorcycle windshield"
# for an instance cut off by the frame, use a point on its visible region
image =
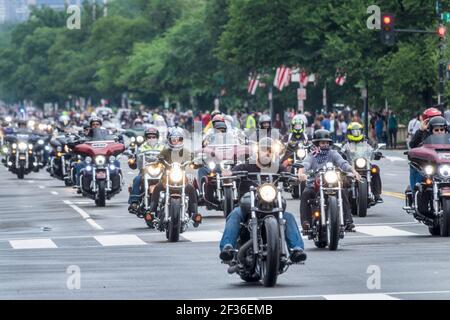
(437, 139)
(99, 134)
(223, 139)
(360, 150)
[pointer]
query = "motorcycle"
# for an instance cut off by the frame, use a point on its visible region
(20, 158)
(222, 154)
(327, 208)
(151, 175)
(60, 160)
(298, 153)
(171, 214)
(262, 252)
(361, 196)
(432, 195)
(102, 178)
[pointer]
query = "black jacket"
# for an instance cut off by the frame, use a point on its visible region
(418, 138)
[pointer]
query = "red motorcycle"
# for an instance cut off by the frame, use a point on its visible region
(101, 178)
(432, 195)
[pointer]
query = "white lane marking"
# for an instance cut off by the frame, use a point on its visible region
(416, 223)
(32, 244)
(383, 231)
(202, 236)
(119, 240)
(365, 296)
(54, 193)
(41, 187)
(325, 295)
(391, 174)
(30, 181)
(84, 215)
(392, 158)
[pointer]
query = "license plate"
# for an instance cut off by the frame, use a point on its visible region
(445, 192)
(22, 158)
(101, 175)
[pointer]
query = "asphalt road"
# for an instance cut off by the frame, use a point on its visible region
(47, 232)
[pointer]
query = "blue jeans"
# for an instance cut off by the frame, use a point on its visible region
(414, 177)
(135, 194)
(233, 225)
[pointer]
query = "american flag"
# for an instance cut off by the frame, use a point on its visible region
(282, 77)
(253, 83)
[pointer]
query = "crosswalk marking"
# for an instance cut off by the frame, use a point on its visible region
(119, 240)
(383, 231)
(32, 244)
(363, 296)
(203, 236)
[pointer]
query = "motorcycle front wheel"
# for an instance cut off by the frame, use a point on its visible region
(228, 201)
(174, 225)
(269, 264)
(333, 223)
(445, 220)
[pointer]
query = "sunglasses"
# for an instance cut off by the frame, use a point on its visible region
(439, 130)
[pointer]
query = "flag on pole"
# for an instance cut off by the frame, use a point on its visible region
(282, 77)
(304, 78)
(253, 84)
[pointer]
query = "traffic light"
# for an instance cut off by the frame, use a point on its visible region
(387, 29)
(445, 16)
(442, 31)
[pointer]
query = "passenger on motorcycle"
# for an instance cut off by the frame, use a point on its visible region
(266, 158)
(151, 144)
(319, 157)
(175, 151)
(357, 145)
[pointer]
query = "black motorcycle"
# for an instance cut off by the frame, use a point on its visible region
(262, 252)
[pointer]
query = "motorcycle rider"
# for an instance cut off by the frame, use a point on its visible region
(266, 157)
(424, 131)
(435, 125)
(320, 156)
(296, 136)
(356, 144)
(151, 144)
(175, 151)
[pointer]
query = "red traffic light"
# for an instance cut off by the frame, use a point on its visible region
(387, 20)
(441, 31)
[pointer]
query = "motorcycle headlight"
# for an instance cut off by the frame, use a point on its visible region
(301, 153)
(8, 119)
(58, 148)
(112, 159)
(40, 142)
(100, 160)
(331, 177)
(429, 170)
(361, 163)
(42, 126)
(30, 146)
(268, 193)
(31, 123)
(212, 165)
(444, 170)
(154, 171)
(47, 148)
(14, 145)
(22, 146)
(88, 160)
(176, 174)
(5, 150)
(133, 139)
(140, 139)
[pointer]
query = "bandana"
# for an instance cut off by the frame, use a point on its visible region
(321, 154)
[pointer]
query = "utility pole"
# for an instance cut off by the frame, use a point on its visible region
(366, 107)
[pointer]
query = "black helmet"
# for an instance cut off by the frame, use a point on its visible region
(263, 119)
(322, 135)
(95, 119)
(437, 121)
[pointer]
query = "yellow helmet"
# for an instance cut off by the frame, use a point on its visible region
(355, 132)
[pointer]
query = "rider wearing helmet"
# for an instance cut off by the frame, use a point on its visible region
(210, 124)
(319, 156)
(175, 151)
(266, 158)
(357, 146)
(296, 136)
(424, 131)
(152, 146)
(137, 123)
